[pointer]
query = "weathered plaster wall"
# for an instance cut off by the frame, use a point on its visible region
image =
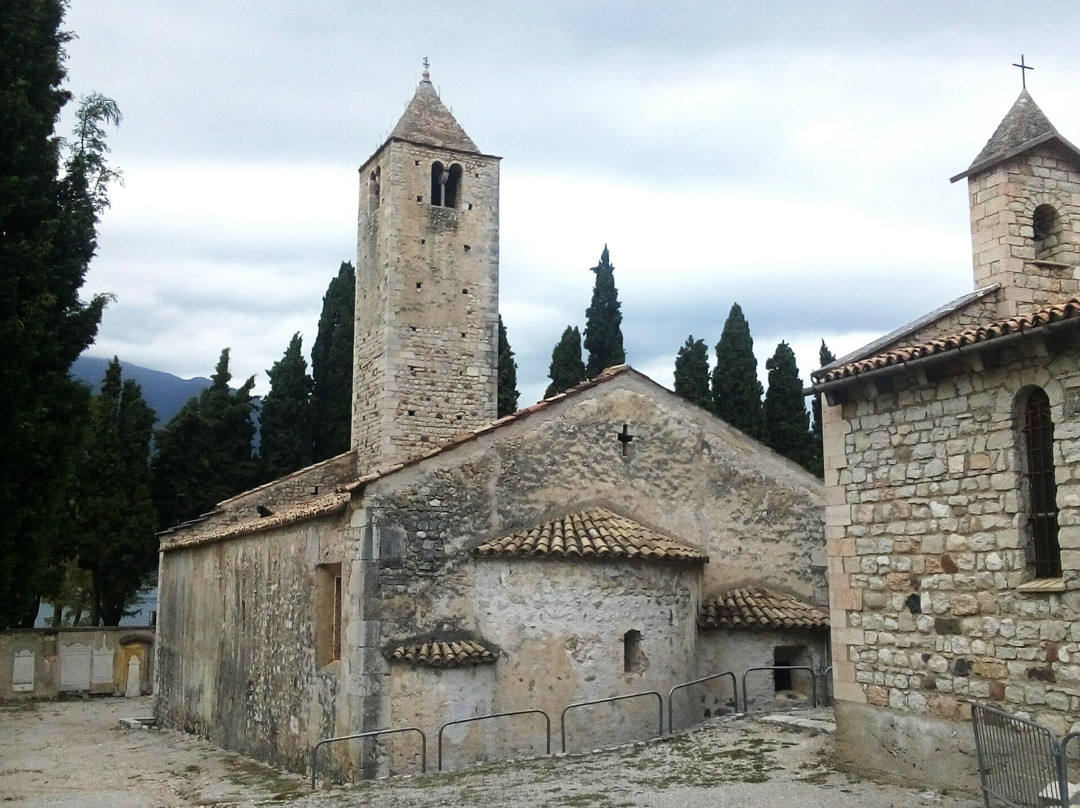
(736, 651)
(236, 659)
(43, 663)
(926, 535)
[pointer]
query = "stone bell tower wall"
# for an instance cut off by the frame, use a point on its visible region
(427, 292)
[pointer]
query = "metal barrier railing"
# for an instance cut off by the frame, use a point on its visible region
(1021, 762)
(547, 722)
(670, 701)
(372, 734)
(827, 675)
(660, 710)
(808, 669)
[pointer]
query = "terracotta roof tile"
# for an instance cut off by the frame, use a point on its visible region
(321, 506)
(591, 533)
(443, 654)
(757, 608)
(1016, 324)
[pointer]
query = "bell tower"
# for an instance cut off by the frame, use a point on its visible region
(427, 287)
(1024, 196)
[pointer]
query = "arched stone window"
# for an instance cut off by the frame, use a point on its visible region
(1045, 225)
(1037, 433)
(632, 656)
(445, 185)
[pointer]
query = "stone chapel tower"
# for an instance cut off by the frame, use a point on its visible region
(1024, 195)
(427, 287)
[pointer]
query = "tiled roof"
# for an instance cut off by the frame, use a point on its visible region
(1016, 324)
(761, 609)
(1024, 127)
(443, 654)
(591, 533)
(321, 506)
(427, 120)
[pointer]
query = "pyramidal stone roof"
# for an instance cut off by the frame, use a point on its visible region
(1023, 127)
(427, 121)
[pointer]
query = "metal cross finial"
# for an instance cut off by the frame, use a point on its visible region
(427, 64)
(1023, 71)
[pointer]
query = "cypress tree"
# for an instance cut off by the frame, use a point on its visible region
(603, 321)
(785, 409)
(736, 389)
(332, 366)
(825, 357)
(204, 452)
(692, 372)
(49, 208)
(285, 425)
(567, 369)
(508, 392)
(113, 518)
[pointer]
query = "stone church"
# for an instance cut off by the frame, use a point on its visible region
(609, 540)
(953, 485)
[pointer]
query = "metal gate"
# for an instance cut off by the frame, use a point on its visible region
(1021, 763)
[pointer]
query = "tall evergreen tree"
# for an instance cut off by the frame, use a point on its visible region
(785, 409)
(286, 429)
(567, 369)
(692, 372)
(603, 321)
(508, 392)
(204, 453)
(332, 366)
(48, 218)
(736, 389)
(825, 357)
(112, 515)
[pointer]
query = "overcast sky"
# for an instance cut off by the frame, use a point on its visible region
(791, 157)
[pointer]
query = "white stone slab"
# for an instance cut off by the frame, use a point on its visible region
(75, 661)
(22, 677)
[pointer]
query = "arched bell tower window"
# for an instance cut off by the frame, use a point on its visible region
(1044, 229)
(445, 185)
(1037, 433)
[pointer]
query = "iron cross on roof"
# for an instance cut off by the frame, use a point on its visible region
(1023, 71)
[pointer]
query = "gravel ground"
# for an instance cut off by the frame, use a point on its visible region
(75, 753)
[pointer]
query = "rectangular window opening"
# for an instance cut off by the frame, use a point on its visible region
(329, 624)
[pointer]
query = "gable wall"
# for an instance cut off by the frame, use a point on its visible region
(925, 535)
(757, 515)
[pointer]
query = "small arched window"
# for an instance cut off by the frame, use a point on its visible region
(445, 185)
(1044, 227)
(632, 651)
(1037, 427)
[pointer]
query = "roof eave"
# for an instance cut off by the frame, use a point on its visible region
(987, 164)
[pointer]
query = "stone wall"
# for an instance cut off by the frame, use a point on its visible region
(1003, 201)
(925, 529)
(236, 656)
(43, 663)
(427, 291)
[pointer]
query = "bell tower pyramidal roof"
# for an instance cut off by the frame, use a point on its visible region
(427, 121)
(1024, 127)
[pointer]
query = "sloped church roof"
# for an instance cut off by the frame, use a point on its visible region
(427, 121)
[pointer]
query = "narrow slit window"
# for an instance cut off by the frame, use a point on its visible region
(1043, 551)
(632, 651)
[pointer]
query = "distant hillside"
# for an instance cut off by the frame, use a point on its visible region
(164, 392)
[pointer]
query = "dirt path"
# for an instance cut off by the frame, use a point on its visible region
(75, 753)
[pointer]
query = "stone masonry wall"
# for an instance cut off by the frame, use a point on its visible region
(925, 534)
(1003, 201)
(427, 295)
